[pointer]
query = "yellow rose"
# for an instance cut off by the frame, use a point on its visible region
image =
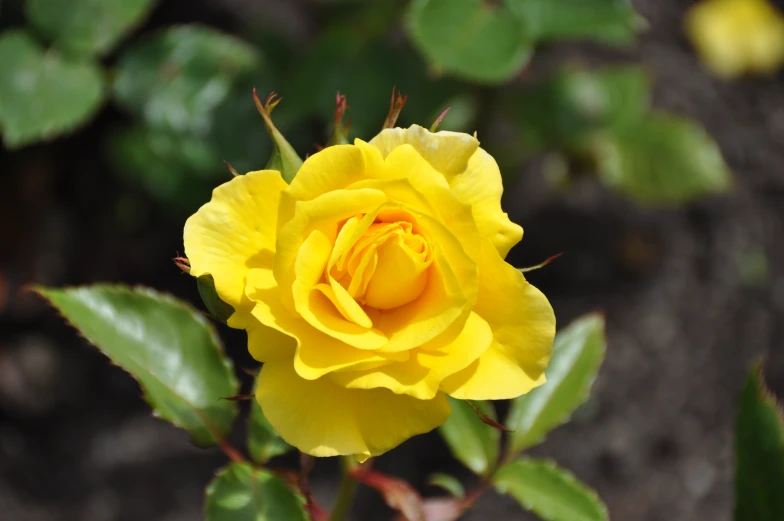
(735, 37)
(373, 286)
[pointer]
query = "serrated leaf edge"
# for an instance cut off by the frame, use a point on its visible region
(152, 293)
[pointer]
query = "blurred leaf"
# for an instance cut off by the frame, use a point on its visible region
(577, 354)
(759, 446)
(470, 38)
(177, 169)
(609, 21)
(43, 95)
(471, 440)
(176, 77)
(240, 492)
(550, 492)
(565, 110)
(364, 74)
(661, 158)
(447, 482)
(87, 27)
(168, 346)
(219, 310)
(753, 267)
(263, 442)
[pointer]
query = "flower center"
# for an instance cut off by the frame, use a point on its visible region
(387, 266)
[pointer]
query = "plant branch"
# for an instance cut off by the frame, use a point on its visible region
(348, 487)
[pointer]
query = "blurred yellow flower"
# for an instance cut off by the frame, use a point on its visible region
(373, 286)
(734, 37)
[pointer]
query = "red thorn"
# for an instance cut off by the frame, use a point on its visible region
(541, 264)
(251, 372)
(486, 419)
(231, 169)
(238, 398)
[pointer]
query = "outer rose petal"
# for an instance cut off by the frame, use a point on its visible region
(480, 186)
(323, 419)
(448, 152)
(523, 326)
(235, 232)
(472, 174)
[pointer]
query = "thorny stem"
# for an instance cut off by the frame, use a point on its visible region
(228, 449)
(346, 491)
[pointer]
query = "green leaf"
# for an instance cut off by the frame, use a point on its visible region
(470, 38)
(175, 78)
(242, 493)
(759, 446)
(577, 354)
(168, 346)
(43, 95)
(550, 492)
(661, 159)
(566, 110)
(263, 442)
(613, 22)
(447, 482)
(87, 27)
(471, 441)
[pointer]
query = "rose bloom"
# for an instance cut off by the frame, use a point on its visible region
(734, 37)
(373, 286)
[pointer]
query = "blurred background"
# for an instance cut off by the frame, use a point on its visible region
(117, 116)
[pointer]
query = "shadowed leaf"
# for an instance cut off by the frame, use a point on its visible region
(86, 26)
(471, 440)
(242, 493)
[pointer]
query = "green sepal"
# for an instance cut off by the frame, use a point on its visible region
(284, 158)
(219, 310)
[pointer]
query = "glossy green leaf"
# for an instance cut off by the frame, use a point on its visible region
(168, 346)
(87, 27)
(43, 95)
(759, 447)
(472, 39)
(175, 78)
(263, 442)
(550, 492)
(661, 159)
(447, 482)
(470, 440)
(566, 110)
(242, 493)
(608, 21)
(577, 354)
